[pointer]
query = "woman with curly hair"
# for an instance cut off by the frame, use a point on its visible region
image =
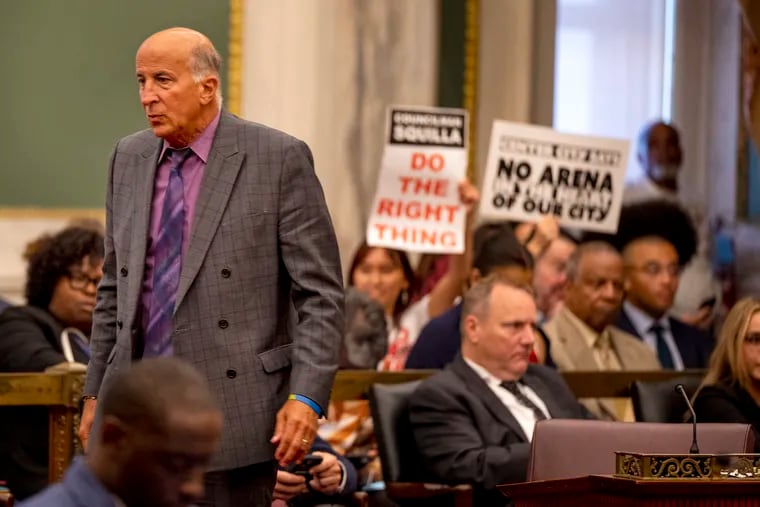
(730, 392)
(63, 272)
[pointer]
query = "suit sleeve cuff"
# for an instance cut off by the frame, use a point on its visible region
(343, 477)
(308, 401)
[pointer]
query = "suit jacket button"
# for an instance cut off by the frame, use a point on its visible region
(226, 273)
(119, 324)
(231, 374)
(223, 324)
(124, 271)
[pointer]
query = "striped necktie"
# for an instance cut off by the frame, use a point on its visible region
(167, 254)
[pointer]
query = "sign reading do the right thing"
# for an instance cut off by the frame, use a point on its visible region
(535, 171)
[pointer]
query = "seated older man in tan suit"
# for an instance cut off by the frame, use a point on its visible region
(582, 335)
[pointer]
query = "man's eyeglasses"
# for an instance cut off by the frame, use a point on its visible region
(752, 338)
(654, 269)
(80, 281)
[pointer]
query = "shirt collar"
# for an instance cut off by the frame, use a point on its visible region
(590, 336)
(484, 374)
(641, 321)
(86, 485)
(202, 144)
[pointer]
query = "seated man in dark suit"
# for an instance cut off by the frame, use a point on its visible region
(654, 251)
(651, 281)
(473, 422)
(496, 251)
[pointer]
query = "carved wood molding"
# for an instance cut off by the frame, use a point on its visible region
(60, 391)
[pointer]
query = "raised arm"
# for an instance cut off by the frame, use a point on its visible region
(450, 286)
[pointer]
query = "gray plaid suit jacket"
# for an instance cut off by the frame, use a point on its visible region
(260, 301)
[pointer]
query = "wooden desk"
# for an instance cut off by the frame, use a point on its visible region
(593, 490)
(59, 390)
(611, 384)
(355, 384)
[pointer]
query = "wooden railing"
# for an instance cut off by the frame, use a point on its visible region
(354, 384)
(60, 391)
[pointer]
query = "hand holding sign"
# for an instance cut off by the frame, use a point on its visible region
(416, 206)
(469, 196)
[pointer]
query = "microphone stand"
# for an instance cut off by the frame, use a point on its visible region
(694, 447)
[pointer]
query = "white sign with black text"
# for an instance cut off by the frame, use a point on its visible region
(534, 171)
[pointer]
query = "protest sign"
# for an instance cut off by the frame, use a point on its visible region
(416, 205)
(534, 171)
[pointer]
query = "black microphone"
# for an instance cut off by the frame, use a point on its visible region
(694, 447)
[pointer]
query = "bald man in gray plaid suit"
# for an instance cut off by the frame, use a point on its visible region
(219, 250)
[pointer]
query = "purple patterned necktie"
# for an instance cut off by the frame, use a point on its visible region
(167, 255)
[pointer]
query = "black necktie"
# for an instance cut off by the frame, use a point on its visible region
(513, 388)
(663, 351)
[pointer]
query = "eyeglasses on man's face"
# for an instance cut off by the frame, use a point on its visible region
(654, 269)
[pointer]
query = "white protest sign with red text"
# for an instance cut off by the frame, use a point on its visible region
(416, 205)
(535, 171)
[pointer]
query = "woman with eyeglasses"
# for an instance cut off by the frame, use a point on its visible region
(63, 272)
(730, 392)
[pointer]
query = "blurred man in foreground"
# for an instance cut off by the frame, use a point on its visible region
(159, 428)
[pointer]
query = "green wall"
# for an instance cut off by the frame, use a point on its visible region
(68, 89)
(451, 58)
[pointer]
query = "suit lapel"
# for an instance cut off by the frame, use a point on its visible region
(580, 354)
(624, 323)
(481, 390)
(627, 362)
(686, 349)
(544, 393)
(219, 178)
(144, 181)
(582, 357)
(628, 355)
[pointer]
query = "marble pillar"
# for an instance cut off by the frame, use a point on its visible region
(325, 71)
(706, 101)
(515, 66)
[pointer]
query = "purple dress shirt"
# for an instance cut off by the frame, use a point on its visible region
(192, 176)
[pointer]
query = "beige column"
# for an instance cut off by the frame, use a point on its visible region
(706, 100)
(516, 65)
(325, 71)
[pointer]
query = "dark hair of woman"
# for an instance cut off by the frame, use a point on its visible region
(53, 257)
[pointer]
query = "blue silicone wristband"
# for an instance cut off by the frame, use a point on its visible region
(304, 399)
